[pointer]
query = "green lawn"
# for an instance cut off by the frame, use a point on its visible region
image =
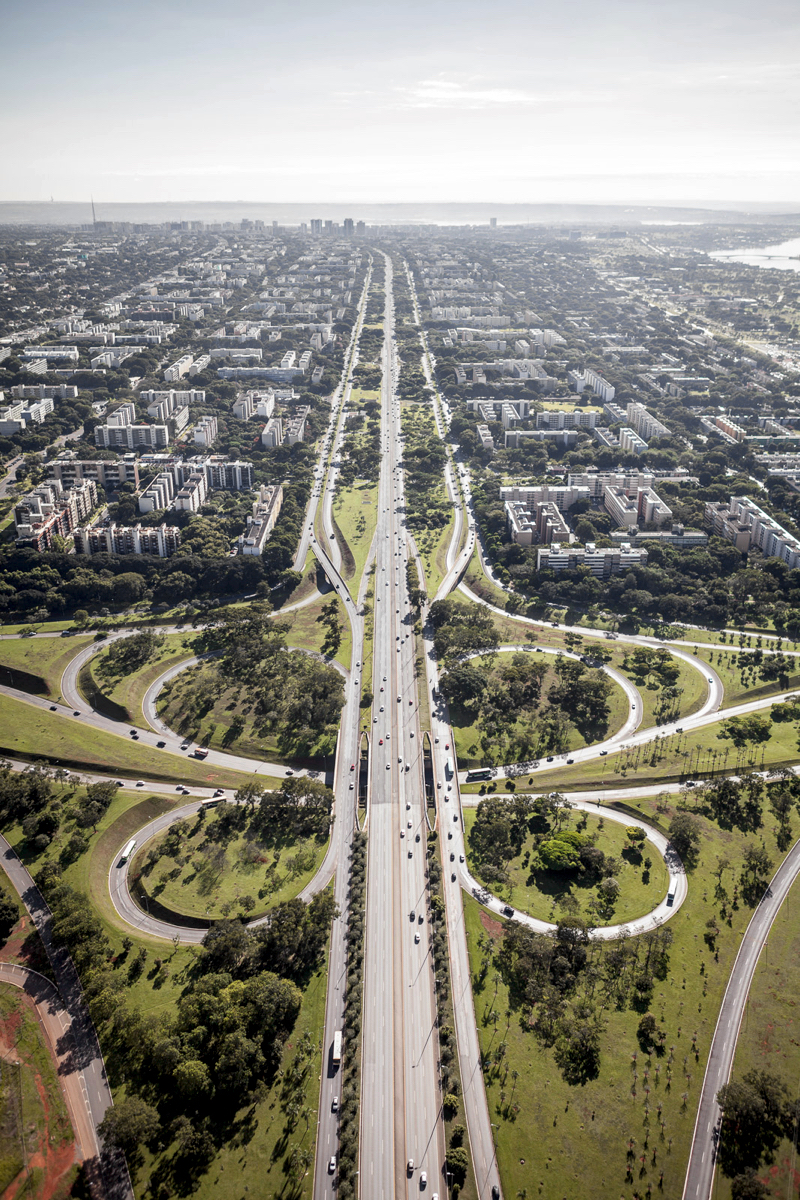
(572, 1139)
(33, 733)
(129, 691)
(46, 658)
(433, 546)
(768, 1039)
(308, 633)
(538, 893)
(209, 877)
(356, 512)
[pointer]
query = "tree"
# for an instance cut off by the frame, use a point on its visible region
(684, 834)
(748, 1186)
(458, 1164)
(8, 915)
(130, 1123)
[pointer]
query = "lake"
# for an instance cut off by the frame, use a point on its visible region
(785, 256)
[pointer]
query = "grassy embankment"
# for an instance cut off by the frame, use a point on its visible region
(355, 510)
(126, 692)
(30, 732)
(578, 1140)
(40, 663)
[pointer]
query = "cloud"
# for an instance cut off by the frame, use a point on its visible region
(445, 93)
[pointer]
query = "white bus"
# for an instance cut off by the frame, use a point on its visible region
(128, 851)
(337, 1047)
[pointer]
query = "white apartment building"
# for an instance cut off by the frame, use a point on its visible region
(272, 433)
(630, 442)
(205, 431)
(296, 425)
(261, 524)
(192, 495)
(61, 353)
(179, 368)
(486, 439)
(119, 432)
(159, 494)
(578, 380)
(127, 539)
(566, 420)
(644, 423)
(746, 524)
(603, 562)
(199, 364)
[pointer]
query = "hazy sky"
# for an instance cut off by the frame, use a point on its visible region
(421, 100)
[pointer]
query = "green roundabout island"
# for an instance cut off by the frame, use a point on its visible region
(555, 864)
(233, 860)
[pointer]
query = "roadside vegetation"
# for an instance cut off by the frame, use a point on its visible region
(36, 665)
(594, 1052)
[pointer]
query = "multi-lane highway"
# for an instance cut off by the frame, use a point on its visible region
(401, 1120)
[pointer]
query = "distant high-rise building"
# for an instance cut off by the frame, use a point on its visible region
(348, 226)
(316, 226)
(361, 229)
(493, 222)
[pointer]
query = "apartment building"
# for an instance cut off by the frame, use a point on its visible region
(43, 391)
(272, 433)
(120, 433)
(603, 562)
(644, 423)
(50, 510)
(677, 537)
(605, 437)
(266, 509)
(630, 442)
(15, 418)
(628, 506)
(514, 438)
(71, 471)
(192, 495)
(159, 494)
(205, 431)
(160, 542)
(179, 368)
(747, 525)
(566, 420)
(486, 439)
(296, 425)
(579, 380)
(161, 404)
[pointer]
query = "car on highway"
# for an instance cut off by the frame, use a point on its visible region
(670, 899)
(710, 680)
(416, 939)
(410, 1166)
(219, 792)
(332, 1164)
(140, 783)
(54, 707)
(335, 1104)
(388, 766)
(461, 858)
(603, 753)
(76, 713)
(161, 745)
(423, 1180)
(507, 910)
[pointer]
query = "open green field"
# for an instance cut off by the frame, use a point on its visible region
(308, 633)
(128, 691)
(356, 512)
(210, 877)
(768, 1038)
(34, 733)
(538, 893)
(46, 658)
(578, 1140)
(34, 1123)
(433, 546)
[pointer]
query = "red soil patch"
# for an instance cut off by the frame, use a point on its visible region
(495, 929)
(54, 1161)
(24, 946)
